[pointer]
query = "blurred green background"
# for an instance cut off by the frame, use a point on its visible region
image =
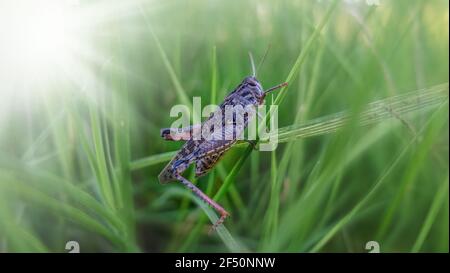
(80, 149)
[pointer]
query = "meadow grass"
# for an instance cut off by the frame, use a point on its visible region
(363, 152)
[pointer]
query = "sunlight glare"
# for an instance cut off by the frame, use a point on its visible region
(39, 36)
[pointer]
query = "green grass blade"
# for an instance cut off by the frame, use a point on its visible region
(100, 161)
(431, 217)
(151, 160)
(182, 96)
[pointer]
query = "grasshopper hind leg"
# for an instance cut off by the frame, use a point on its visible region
(223, 213)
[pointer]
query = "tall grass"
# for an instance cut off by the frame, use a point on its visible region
(363, 152)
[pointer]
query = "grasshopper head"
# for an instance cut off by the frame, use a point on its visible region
(253, 89)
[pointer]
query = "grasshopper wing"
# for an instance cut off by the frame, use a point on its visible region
(208, 153)
(203, 165)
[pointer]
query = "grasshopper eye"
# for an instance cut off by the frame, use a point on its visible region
(252, 83)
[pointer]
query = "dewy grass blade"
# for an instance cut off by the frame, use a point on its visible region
(377, 111)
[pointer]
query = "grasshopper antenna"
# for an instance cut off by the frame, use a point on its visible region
(263, 58)
(275, 87)
(252, 63)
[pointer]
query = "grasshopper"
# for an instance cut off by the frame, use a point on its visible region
(206, 152)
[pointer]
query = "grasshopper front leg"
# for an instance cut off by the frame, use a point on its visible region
(205, 198)
(176, 134)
